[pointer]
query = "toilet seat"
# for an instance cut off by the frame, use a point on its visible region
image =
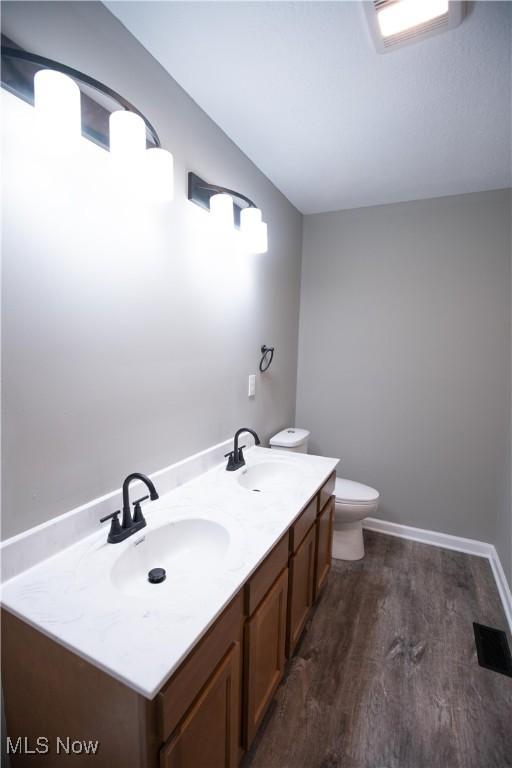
(350, 492)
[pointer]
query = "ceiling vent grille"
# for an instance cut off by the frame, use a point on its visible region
(449, 20)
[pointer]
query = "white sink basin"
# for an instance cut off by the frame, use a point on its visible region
(270, 476)
(186, 549)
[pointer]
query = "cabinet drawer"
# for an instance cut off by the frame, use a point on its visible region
(326, 491)
(300, 590)
(264, 655)
(259, 584)
(184, 686)
(303, 524)
(323, 545)
(208, 736)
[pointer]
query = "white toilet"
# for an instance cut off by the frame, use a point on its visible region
(354, 501)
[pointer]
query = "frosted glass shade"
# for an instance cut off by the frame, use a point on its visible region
(250, 227)
(261, 240)
(127, 136)
(221, 208)
(159, 175)
(57, 105)
(253, 230)
(250, 218)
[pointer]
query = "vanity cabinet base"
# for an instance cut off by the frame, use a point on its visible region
(51, 692)
(209, 710)
(265, 635)
(301, 588)
(323, 556)
(209, 734)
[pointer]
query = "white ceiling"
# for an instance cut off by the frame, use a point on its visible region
(300, 89)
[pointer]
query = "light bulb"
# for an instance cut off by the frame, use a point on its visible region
(57, 105)
(159, 175)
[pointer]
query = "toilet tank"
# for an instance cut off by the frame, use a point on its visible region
(291, 439)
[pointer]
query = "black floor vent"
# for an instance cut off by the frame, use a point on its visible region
(492, 649)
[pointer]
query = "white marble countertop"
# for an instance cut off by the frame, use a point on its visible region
(140, 638)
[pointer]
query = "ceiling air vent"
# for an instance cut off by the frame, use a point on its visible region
(395, 23)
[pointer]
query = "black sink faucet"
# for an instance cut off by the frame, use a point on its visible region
(153, 495)
(128, 526)
(236, 457)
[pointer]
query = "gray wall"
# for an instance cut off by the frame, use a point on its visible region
(128, 335)
(404, 357)
(504, 519)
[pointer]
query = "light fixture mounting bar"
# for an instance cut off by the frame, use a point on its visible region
(19, 67)
(200, 192)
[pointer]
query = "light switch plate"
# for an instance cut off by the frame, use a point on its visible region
(252, 385)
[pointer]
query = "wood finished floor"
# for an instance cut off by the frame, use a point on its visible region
(386, 674)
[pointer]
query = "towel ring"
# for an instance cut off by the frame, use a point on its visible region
(267, 357)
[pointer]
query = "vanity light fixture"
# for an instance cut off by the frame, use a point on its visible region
(57, 99)
(231, 210)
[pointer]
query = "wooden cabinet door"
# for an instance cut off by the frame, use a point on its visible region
(208, 736)
(323, 545)
(300, 591)
(192, 676)
(265, 635)
(326, 491)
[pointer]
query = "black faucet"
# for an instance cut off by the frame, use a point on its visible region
(236, 457)
(129, 525)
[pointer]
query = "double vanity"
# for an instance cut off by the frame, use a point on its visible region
(178, 670)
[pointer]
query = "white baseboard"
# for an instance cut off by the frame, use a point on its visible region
(444, 540)
(458, 543)
(503, 587)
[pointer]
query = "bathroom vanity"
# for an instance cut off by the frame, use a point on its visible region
(216, 692)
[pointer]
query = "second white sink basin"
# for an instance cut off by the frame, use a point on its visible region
(184, 548)
(270, 476)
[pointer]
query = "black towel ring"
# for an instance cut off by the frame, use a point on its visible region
(267, 357)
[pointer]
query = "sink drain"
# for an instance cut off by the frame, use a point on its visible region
(156, 575)
(256, 490)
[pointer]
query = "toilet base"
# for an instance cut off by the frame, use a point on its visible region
(347, 542)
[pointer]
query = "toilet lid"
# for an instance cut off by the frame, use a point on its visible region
(349, 490)
(289, 438)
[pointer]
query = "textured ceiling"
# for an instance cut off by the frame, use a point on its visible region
(300, 89)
